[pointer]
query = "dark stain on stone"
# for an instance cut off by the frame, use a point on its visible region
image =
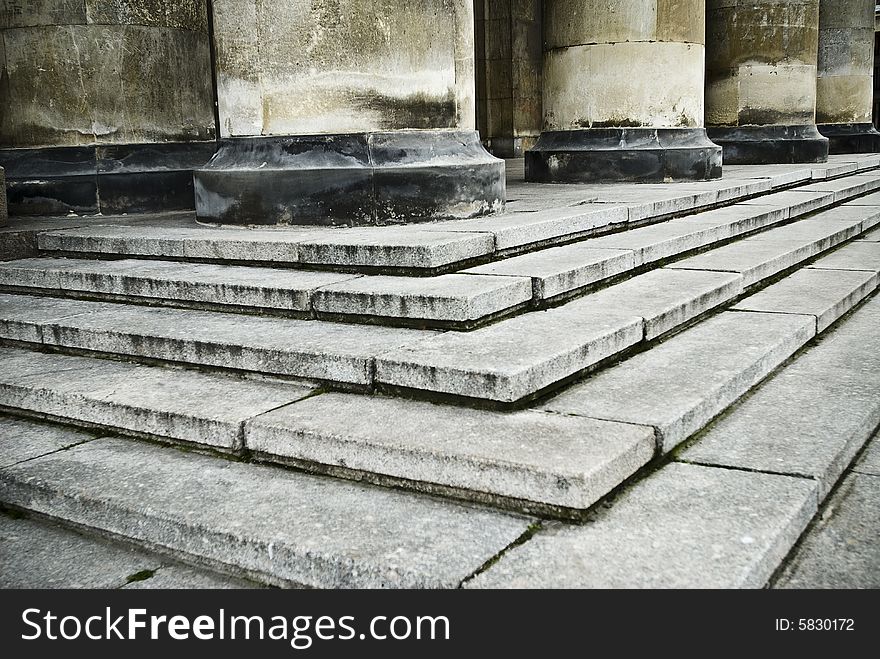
(414, 111)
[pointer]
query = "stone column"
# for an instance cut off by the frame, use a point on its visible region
(845, 86)
(761, 80)
(623, 93)
(4, 214)
(509, 56)
(346, 112)
(105, 105)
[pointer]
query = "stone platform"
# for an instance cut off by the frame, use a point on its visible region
(560, 379)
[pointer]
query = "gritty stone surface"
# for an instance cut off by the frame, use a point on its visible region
(184, 577)
(22, 317)
(841, 550)
(559, 270)
(681, 384)
(845, 188)
(799, 203)
(21, 439)
(857, 255)
(36, 554)
(513, 358)
(684, 526)
(529, 455)
(871, 237)
(825, 294)
(654, 201)
(872, 199)
(450, 298)
(811, 418)
(520, 229)
(178, 404)
(869, 463)
(299, 348)
(327, 533)
(779, 175)
(263, 288)
(666, 298)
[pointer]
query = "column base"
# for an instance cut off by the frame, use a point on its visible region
(765, 145)
(4, 215)
(122, 178)
(851, 138)
(640, 155)
(355, 179)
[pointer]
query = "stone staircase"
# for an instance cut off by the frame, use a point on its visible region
(640, 361)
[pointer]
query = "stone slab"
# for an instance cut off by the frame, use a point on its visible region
(520, 229)
(825, 294)
(872, 199)
(177, 577)
(531, 456)
(845, 188)
(299, 348)
(833, 169)
(665, 298)
(21, 439)
(559, 270)
(36, 554)
(779, 175)
(870, 237)
(869, 463)
(394, 247)
(170, 403)
(263, 288)
(511, 359)
(22, 317)
(857, 255)
(670, 239)
(680, 385)
(646, 201)
(684, 526)
(841, 550)
(811, 418)
(328, 533)
(798, 203)
(816, 228)
(453, 298)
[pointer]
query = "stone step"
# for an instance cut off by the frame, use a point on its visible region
(445, 300)
(432, 247)
(261, 522)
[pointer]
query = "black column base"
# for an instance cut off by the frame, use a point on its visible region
(354, 179)
(765, 145)
(851, 138)
(121, 178)
(640, 155)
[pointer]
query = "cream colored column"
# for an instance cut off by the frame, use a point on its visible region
(623, 93)
(761, 80)
(845, 86)
(346, 112)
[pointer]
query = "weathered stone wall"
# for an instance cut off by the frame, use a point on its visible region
(845, 85)
(81, 72)
(301, 67)
(761, 62)
(629, 63)
(509, 60)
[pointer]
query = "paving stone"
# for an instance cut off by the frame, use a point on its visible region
(420, 246)
(867, 216)
(456, 298)
(513, 358)
(273, 523)
(681, 384)
(798, 203)
(36, 554)
(520, 229)
(812, 417)
(528, 455)
(779, 175)
(669, 239)
(825, 294)
(845, 188)
(853, 256)
(21, 317)
(269, 245)
(166, 280)
(21, 439)
(666, 298)
(684, 526)
(869, 463)
(559, 270)
(178, 404)
(299, 348)
(653, 201)
(182, 577)
(841, 550)
(833, 169)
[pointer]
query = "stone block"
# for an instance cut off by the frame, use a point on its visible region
(21, 439)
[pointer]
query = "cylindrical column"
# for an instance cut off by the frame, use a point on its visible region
(623, 93)
(761, 80)
(845, 86)
(346, 112)
(4, 215)
(104, 105)
(509, 56)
